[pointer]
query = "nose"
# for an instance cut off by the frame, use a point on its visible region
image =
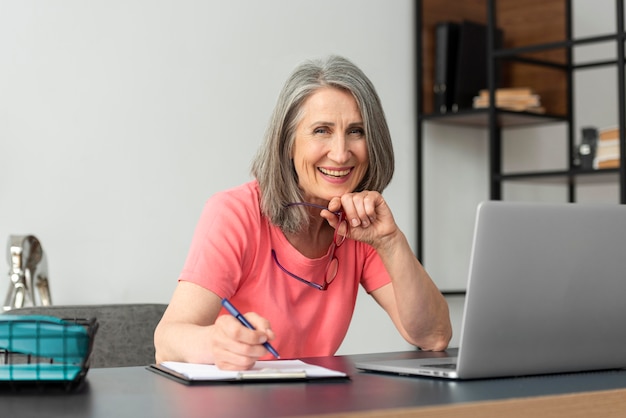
(339, 149)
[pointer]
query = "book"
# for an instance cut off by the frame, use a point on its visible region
(267, 370)
(608, 149)
(508, 92)
(612, 163)
(608, 133)
(446, 43)
(515, 98)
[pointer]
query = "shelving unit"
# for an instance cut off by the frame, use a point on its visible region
(536, 52)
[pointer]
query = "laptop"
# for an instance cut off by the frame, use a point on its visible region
(546, 293)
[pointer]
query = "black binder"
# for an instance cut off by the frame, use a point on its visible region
(446, 41)
(471, 65)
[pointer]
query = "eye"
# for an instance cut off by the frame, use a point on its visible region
(321, 130)
(357, 132)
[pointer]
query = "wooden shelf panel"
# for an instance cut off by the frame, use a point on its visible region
(533, 22)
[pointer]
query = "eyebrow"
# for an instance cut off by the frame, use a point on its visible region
(351, 125)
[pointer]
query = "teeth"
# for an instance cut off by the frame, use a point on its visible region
(335, 173)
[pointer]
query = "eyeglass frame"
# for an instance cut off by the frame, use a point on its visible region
(333, 246)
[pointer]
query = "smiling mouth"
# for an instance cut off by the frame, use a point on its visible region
(334, 173)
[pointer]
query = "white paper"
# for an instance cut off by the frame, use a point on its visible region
(262, 369)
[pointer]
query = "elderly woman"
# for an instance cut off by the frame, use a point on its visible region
(291, 247)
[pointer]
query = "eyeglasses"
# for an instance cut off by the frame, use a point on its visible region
(338, 239)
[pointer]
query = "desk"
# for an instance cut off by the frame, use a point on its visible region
(137, 392)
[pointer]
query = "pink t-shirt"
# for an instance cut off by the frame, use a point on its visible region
(230, 255)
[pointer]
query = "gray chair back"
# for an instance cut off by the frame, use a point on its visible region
(125, 335)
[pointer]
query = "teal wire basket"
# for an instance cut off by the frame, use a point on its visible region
(45, 351)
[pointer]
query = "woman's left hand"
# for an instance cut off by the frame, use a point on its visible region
(369, 218)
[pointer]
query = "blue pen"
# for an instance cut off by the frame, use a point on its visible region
(234, 312)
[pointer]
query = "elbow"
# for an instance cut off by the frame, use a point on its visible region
(435, 343)
(158, 345)
(440, 344)
(158, 358)
(436, 340)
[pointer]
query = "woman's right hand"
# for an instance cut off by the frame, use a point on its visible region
(192, 331)
(235, 347)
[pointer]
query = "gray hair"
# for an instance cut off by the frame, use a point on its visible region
(273, 167)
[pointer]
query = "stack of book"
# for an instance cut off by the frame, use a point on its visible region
(521, 99)
(607, 152)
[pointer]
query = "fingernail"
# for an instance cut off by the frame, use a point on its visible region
(263, 340)
(355, 222)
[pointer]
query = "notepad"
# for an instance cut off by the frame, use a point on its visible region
(269, 370)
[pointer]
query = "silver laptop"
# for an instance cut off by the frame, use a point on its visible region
(546, 293)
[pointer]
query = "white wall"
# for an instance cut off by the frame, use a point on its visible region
(118, 118)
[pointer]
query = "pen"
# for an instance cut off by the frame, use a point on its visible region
(234, 312)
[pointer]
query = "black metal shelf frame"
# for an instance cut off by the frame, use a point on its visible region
(494, 120)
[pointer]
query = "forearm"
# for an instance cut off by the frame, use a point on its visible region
(182, 342)
(422, 312)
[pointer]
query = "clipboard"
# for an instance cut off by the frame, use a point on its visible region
(263, 371)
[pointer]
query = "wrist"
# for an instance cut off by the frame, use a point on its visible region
(389, 243)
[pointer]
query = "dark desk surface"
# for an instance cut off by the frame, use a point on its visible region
(137, 392)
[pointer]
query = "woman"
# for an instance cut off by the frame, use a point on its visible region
(290, 248)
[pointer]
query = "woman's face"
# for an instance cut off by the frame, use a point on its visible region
(330, 151)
